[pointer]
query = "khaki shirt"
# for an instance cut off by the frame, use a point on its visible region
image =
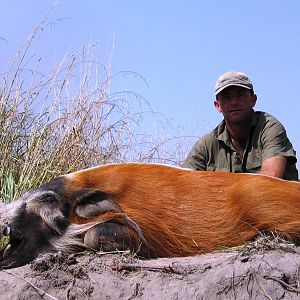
(268, 138)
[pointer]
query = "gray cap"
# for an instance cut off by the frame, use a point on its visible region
(232, 78)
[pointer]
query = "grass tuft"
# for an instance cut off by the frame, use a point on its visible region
(67, 119)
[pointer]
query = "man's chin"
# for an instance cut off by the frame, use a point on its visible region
(237, 117)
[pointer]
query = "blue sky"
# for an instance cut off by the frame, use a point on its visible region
(179, 47)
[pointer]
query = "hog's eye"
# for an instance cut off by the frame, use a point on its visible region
(47, 198)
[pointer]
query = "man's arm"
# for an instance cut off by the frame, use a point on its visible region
(196, 159)
(274, 166)
(278, 155)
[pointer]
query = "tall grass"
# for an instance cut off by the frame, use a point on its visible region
(65, 120)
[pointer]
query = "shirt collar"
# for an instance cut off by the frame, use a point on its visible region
(221, 133)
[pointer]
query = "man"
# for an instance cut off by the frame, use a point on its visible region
(245, 141)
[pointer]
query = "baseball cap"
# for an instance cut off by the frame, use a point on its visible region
(232, 78)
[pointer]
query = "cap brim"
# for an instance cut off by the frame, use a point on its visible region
(231, 84)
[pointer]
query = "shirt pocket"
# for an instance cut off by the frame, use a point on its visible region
(254, 162)
(253, 166)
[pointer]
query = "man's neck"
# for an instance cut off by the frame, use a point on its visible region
(239, 132)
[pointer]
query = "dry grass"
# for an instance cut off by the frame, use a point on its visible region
(68, 120)
(265, 241)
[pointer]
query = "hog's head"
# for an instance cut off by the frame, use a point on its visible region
(31, 225)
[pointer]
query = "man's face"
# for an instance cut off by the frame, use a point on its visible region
(235, 103)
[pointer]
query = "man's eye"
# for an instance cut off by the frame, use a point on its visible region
(226, 97)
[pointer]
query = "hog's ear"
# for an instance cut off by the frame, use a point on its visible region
(94, 203)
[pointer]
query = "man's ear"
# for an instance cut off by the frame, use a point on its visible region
(93, 203)
(254, 99)
(217, 106)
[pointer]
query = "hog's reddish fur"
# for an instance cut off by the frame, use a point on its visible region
(182, 212)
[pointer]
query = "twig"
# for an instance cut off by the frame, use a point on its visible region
(113, 252)
(261, 287)
(38, 290)
(133, 267)
(286, 285)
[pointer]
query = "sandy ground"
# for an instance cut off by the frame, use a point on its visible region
(253, 273)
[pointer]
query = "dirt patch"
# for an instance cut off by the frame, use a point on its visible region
(249, 274)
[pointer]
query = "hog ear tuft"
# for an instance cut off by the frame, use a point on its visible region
(94, 203)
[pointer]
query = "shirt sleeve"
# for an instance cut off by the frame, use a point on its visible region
(197, 158)
(275, 142)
